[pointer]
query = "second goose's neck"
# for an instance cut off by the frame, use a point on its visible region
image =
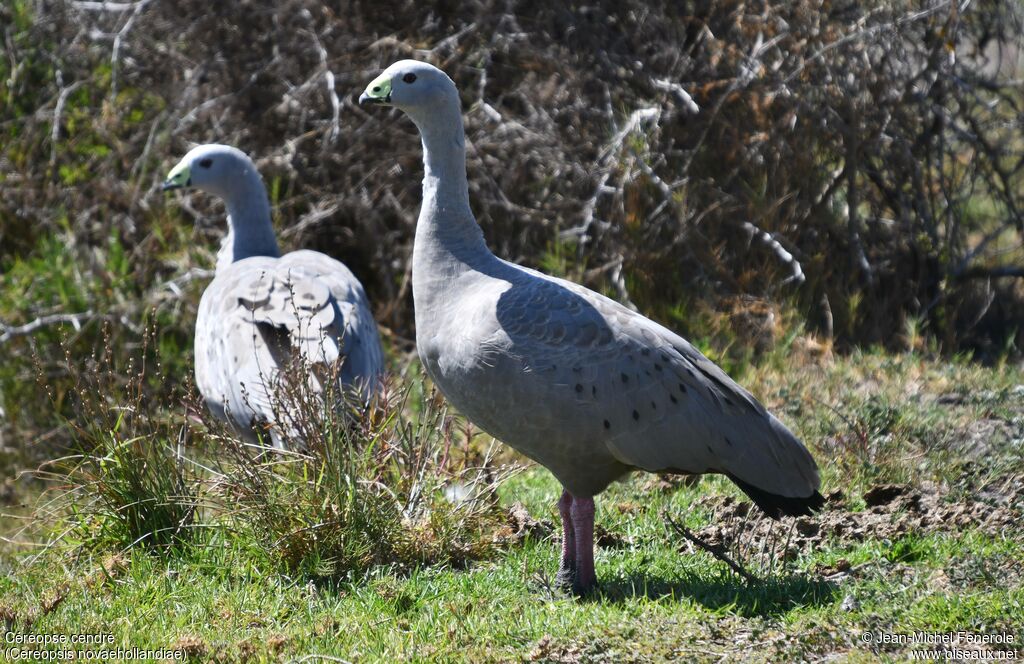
(250, 231)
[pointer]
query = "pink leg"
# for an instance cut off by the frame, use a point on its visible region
(582, 512)
(567, 569)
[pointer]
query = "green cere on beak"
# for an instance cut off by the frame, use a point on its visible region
(377, 92)
(180, 176)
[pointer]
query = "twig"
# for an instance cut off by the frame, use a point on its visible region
(588, 210)
(990, 272)
(450, 41)
(9, 332)
(785, 548)
(908, 18)
(632, 124)
(320, 211)
(332, 93)
(670, 86)
(720, 555)
(58, 109)
(780, 251)
(335, 106)
(619, 281)
(745, 76)
(979, 248)
(106, 6)
(121, 34)
(175, 285)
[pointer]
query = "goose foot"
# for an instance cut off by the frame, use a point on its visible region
(581, 512)
(566, 577)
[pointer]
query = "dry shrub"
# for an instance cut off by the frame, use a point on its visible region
(861, 163)
(368, 485)
(357, 484)
(127, 483)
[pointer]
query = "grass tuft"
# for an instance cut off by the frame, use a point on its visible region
(127, 484)
(368, 486)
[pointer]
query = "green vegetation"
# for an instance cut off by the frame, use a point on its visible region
(250, 583)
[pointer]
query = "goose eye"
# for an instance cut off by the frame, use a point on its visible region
(206, 163)
(409, 78)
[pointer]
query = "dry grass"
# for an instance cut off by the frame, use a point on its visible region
(372, 484)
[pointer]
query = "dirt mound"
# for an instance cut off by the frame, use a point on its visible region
(893, 511)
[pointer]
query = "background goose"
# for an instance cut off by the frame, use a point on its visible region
(262, 307)
(570, 378)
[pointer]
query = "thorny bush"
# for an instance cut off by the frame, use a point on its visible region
(859, 164)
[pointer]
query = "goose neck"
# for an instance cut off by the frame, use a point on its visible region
(250, 231)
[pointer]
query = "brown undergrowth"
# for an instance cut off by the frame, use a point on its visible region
(891, 512)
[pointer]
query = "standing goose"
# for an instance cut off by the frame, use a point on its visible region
(261, 308)
(570, 378)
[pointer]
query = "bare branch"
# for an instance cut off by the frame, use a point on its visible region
(714, 551)
(688, 103)
(990, 272)
(115, 59)
(780, 251)
(58, 109)
(8, 332)
(107, 6)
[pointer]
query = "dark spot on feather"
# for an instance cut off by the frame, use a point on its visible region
(636, 415)
(647, 372)
(673, 398)
(682, 388)
(664, 357)
(728, 401)
(728, 442)
(625, 378)
(593, 390)
(657, 366)
(689, 371)
(607, 424)
(577, 369)
(579, 388)
(654, 405)
(645, 352)
(710, 450)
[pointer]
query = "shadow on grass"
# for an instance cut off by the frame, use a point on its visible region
(764, 597)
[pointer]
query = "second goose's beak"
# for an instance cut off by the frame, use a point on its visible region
(180, 176)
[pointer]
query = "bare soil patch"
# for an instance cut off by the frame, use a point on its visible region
(892, 511)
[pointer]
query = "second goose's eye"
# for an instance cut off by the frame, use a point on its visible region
(206, 163)
(409, 78)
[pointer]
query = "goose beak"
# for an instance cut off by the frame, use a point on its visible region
(377, 92)
(180, 176)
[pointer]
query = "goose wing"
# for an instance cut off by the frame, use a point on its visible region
(661, 404)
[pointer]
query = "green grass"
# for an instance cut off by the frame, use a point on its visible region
(871, 418)
(656, 603)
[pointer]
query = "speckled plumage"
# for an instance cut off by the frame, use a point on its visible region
(261, 310)
(258, 311)
(570, 378)
(592, 390)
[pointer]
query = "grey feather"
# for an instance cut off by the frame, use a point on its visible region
(261, 311)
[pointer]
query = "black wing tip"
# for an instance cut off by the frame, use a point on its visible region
(776, 506)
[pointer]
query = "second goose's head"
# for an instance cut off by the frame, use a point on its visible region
(217, 169)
